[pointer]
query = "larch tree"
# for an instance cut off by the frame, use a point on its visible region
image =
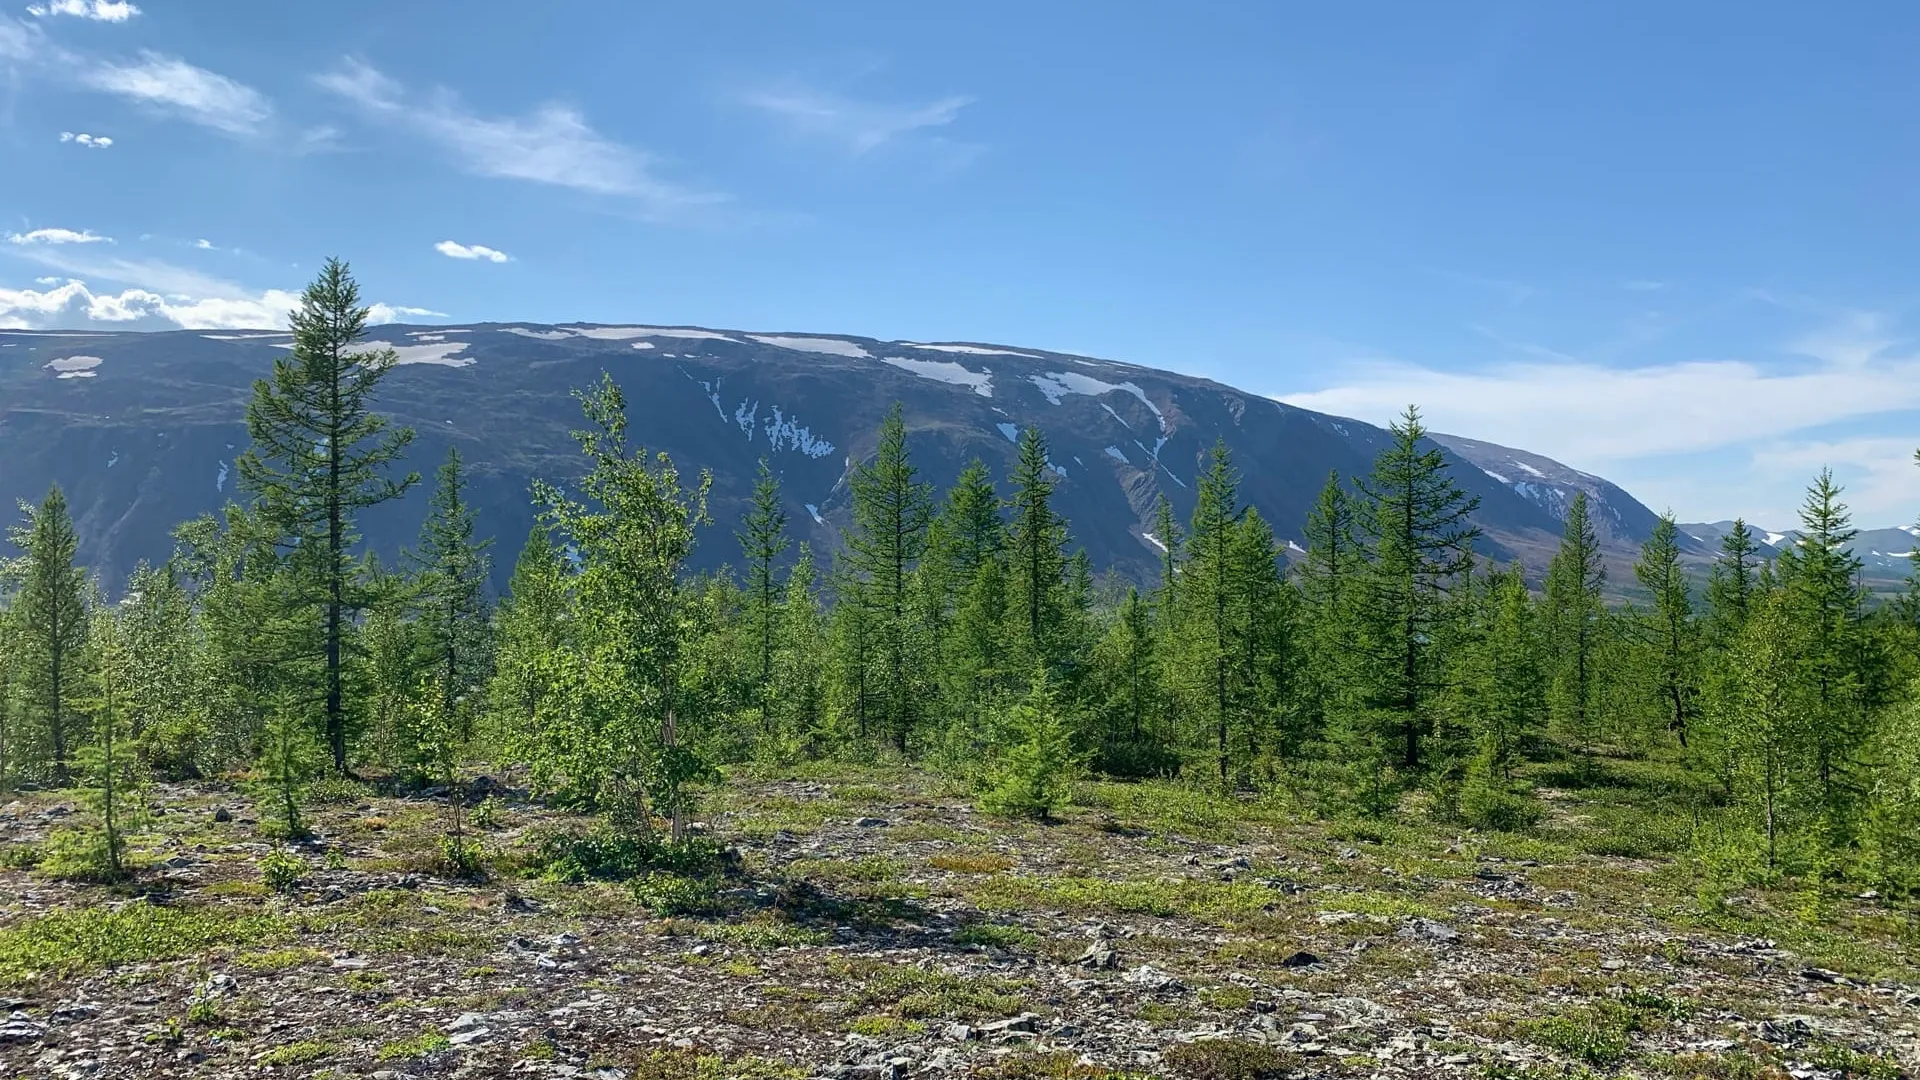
(454, 614)
(892, 510)
(1417, 522)
(319, 456)
(1576, 621)
(1036, 560)
(1668, 630)
(50, 629)
(763, 539)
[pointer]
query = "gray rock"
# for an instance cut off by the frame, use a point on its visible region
(1428, 930)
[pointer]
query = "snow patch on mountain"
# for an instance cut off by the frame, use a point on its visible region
(829, 346)
(787, 433)
(1910, 530)
(1011, 431)
(643, 344)
(241, 337)
(946, 371)
(1154, 540)
(815, 511)
(443, 354)
(1116, 416)
(73, 367)
(538, 335)
(970, 350)
(1058, 384)
(220, 481)
(1118, 454)
(1496, 476)
(1773, 539)
(1528, 469)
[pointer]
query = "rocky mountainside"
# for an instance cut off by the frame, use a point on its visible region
(141, 428)
(1886, 555)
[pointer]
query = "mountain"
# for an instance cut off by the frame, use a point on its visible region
(141, 430)
(1886, 555)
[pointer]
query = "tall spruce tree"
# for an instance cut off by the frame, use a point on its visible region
(892, 511)
(1211, 606)
(50, 630)
(1036, 561)
(763, 539)
(319, 456)
(453, 611)
(1731, 585)
(1576, 621)
(1417, 523)
(1329, 578)
(1819, 575)
(1668, 630)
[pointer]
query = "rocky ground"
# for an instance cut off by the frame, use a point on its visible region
(875, 926)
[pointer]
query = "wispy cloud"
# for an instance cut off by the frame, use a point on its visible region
(165, 84)
(858, 126)
(81, 138)
(178, 88)
(553, 144)
(453, 250)
(1596, 416)
(97, 10)
(58, 236)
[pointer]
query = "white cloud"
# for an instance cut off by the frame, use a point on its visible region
(453, 250)
(552, 145)
(96, 142)
(387, 313)
(1882, 485)
(97, 10)
(174, 86)
(204, 245)
(58, 236)
(1633, 423)
(155, 296)
(1582, 412)
(860, 126)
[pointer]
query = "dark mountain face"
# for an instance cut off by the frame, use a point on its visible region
(141, 429)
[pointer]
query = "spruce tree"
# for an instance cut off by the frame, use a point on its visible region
(1668, 630)
(1036, 560)
(1819, 575)
(1731, 585)
(1329, 578)
(452, 601)
(1035, 769)
(51, 630)
(891, 514)
(110, 763)
(763, 539)
(319, 456)
(1420, 540)
(1212, 604)
(1576, 621)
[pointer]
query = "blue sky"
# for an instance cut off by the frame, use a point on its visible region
(1672, 244)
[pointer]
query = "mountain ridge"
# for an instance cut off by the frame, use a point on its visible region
(140, 428)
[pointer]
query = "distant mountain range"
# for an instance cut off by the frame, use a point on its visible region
(141, 430)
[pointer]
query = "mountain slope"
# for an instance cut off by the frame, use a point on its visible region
(141, 428)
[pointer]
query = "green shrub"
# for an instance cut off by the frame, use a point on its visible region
(20, 855)
(1229, 1059)
(461, 858)
(668, 895)
(1596, 1035)
(282, 870)
(66, 943)
(606, 854)
(419, 1046)
(76, 855)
